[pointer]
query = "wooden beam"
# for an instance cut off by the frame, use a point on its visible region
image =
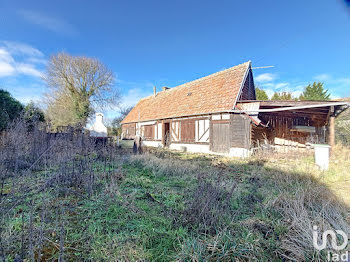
(291, 115)
(332, 128)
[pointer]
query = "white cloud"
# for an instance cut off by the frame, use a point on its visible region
(6, 61)
(335, 97)
(267, 77)
(20, 59)
(297, 93)
(49, 22)
(135, 90)
(6, 69)
(282, 85)
(17, 48)
(36, 60)
(134, 95)
(345, 81)
(337, 86)
(26, 99)
(267, 85)
(24, 92)
(28, 69)
(322, 77)
(300, 87)
(5, 56)
(269, 92)
(293, 88)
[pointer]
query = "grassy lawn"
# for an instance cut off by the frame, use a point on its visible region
(166, 206)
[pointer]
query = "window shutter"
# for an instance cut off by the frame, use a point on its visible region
(188, 131)
(149, 132)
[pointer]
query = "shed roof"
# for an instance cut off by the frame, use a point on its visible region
(315, 110)
(318, 107)
(214, 93)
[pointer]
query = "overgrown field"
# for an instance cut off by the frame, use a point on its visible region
(69, 199)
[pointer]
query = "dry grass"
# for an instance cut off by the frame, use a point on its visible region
(291, 185)
(100, 204)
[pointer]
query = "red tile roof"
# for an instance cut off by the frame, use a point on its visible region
(214, 93)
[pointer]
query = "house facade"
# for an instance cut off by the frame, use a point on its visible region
(219, 114)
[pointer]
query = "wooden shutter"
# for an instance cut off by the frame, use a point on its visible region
(188, 131)
(132, 130)
(149, 132)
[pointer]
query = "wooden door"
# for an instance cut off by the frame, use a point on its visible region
(221, 137)
(166, 134)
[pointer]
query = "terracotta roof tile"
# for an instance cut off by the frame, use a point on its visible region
(213, 93)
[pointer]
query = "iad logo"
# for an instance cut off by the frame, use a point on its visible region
(333, 239)
(334, 243)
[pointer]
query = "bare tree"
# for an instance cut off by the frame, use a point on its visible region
(79, 83)
(124, 111)
(115, 125)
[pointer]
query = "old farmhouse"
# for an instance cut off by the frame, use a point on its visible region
(219, 113)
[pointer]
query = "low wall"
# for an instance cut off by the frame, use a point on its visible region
(240, 152)
(152, 143)
(193, 148)
(197, 148)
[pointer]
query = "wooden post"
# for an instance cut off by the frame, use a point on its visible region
(163, 133)
(332, 128)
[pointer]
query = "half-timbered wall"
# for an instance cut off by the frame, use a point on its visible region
(202, 128)
(175, 131)
(129, 131)
(221, 133)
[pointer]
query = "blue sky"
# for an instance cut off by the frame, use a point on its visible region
(167, 43)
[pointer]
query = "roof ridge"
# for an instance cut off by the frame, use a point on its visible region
(211, 75)
(198, 79)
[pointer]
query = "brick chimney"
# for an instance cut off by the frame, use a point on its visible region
(154, 91)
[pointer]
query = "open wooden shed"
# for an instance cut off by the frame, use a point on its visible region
(292, 123)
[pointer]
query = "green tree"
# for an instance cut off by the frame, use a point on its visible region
(10, 109)
(261, 94)
(315, 91)
(282, 96)
(33, 114)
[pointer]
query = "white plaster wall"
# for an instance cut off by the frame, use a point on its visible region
(159, 131)
(98, 129)
(155, 132)
(152, 143)
(225, 116)
(239, 152)
(202, 130)
(175, 129)
(194, 148)
(216, 117)
(147, 123)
